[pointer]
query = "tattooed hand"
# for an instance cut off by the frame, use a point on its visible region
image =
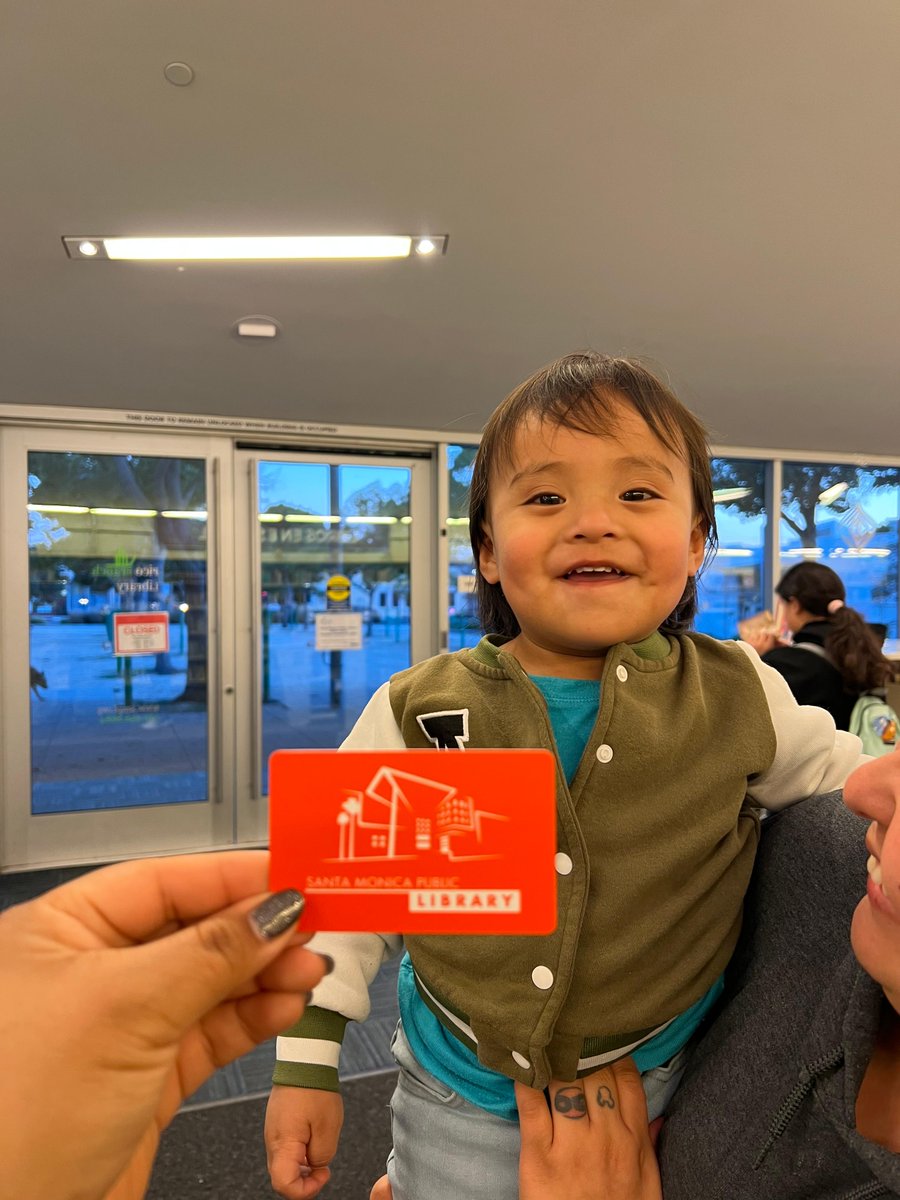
(570, 1103)
(591, 1143)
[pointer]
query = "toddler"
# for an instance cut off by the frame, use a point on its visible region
(591, 512)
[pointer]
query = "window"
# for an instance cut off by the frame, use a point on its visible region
(733, 586)
(464, 626)
(117, 630)
(846, 517)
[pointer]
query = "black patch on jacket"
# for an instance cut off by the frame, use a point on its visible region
(446, 730)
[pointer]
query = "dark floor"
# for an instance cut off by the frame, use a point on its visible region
(214, 1147)
(25, 885)
(217, 1153)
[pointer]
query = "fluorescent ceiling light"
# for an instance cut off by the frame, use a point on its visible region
(726, 495)
(124, 512)
(64, 508)
(371, 520)
(309, 519)
(831, 494)
(177, 514)
(253, 248)
(733, 552)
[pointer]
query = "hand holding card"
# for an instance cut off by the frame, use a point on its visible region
(416, 841)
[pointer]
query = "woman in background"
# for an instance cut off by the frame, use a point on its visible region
(834, 656)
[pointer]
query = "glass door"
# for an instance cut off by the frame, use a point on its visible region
(110, 620)
(341, 595)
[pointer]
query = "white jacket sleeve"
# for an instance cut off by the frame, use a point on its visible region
(811, 755)
(358, 956)
(376, 728)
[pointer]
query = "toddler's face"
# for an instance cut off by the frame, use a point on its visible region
(592, 540)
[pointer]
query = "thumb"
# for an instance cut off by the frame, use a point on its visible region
(198, 967)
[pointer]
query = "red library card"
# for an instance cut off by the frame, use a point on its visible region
(416, 841)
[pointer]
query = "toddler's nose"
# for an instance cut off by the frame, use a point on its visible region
(590, 523)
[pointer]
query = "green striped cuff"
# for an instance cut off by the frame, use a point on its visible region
(308, 1053)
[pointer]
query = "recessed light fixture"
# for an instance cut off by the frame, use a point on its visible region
(256, 249)
(179, 73)
(257, 327)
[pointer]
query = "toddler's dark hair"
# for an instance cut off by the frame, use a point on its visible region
(582, 392)
(850, 643)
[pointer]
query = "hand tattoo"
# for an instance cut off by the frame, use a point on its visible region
(605, 1098)
(570, 1103)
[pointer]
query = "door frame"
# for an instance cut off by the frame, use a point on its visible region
(251, 807)
(31, 841)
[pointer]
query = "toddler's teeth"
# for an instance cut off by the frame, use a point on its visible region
(874, 868)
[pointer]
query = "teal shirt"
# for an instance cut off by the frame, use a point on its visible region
(572, 706)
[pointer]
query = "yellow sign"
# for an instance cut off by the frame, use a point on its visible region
(337, 589)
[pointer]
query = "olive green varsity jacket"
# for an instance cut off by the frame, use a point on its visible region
(656, 838)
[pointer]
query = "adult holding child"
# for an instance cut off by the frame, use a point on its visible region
(793, 1090)
(833, 657)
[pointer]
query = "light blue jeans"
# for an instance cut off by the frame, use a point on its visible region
(448, 1149)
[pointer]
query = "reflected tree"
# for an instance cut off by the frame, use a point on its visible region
(178, 550)
(802, 486)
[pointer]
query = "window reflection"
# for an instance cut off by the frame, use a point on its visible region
(846, 516)
(732, 585)
(335, 543)
(463, 624)
(118, 630)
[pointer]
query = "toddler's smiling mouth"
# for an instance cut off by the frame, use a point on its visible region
(595, 572)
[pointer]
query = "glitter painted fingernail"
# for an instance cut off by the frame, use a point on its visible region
(277, 913)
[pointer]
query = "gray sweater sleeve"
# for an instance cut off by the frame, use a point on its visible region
(766, 1109)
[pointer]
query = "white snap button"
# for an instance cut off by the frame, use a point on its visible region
(563, 864)
(604, 753)
(621, 673)
(521, 1061)
(542, 977)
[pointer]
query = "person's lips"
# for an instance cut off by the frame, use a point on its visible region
(875, 890)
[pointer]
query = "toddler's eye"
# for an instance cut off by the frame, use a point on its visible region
(544, 498)
(638, 494)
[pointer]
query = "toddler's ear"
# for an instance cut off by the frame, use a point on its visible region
(696, 548)
(487, 562)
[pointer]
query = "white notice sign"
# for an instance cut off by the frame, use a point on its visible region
(140, 633)
(339, 631)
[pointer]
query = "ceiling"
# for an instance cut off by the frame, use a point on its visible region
(712, 186)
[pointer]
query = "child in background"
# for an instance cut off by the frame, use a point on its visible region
(591, 511)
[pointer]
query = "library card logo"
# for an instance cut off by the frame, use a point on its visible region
(402, 816)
